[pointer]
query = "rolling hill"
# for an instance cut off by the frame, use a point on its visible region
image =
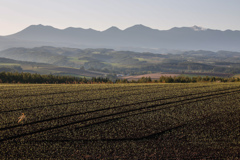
(126, 62)
(10, 65)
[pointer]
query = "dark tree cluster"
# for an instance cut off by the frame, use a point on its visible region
(180, 79)
(9, 77)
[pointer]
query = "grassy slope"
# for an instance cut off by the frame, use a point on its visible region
(50, 69)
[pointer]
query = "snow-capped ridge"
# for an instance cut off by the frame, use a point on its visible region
(198, 28)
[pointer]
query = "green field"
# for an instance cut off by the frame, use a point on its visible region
(9, 64)
(120, 121)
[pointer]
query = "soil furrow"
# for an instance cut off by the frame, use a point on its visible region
(118, 113)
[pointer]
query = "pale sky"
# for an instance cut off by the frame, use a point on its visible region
(16, 15)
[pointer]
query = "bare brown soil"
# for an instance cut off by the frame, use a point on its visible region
(153, 76)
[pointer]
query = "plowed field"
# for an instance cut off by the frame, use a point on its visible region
(120, 121)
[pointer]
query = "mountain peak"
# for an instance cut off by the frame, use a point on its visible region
(40, 26)
(198, 28)
(187, 29)
(138, 27)
(71, 28)
(112, 29)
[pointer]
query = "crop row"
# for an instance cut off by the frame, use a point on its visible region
(25, 90)
(22, 103)
(160, 121)
(57, 109)
(58, 122)
(143, 124)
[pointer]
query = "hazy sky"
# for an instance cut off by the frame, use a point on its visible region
(16, 15)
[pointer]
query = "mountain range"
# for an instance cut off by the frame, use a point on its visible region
(135, 38)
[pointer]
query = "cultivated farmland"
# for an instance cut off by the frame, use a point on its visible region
(120, 121)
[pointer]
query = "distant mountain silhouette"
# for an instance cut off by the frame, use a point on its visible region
(136, 37)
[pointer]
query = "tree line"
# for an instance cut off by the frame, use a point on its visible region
(180, 79)
(15, 77)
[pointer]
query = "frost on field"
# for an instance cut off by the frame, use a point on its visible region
(21, 117)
